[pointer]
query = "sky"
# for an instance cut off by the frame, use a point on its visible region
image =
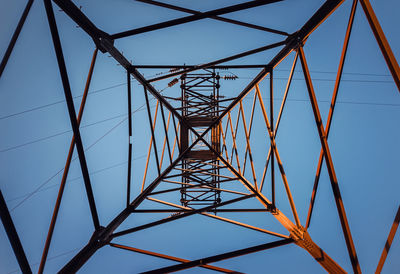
(36, 132)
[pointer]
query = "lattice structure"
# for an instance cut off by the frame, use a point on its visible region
(210, 164)
(200, 101)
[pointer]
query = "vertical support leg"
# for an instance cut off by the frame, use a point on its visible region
(71, 110)
(128, 186)
(13, 236)
(329, 163)
(271, 113)
(382, 41)
(66, 169)
(332, 108)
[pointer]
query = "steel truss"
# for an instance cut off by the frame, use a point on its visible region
(201, 169)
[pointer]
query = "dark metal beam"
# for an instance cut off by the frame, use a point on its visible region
(382, 41)
(329, 164)
(332, 108)
(218, 18)
(13, 236)
(212, 210)
(192, 66)
(102, 237)
(167, 257)
(223, 60)
(71, 110)
(176, 217)
(221, 257)
(271, 114)
(105, 44)
(83, 22)
(191, 18)
(14, 38)
(66, 169)
(129, 175)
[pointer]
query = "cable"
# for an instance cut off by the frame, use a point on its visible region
(49, 259)
(328, 80)
(66, 131)
(118, 85)
(58, 102)
(79, 177)
(89, 147)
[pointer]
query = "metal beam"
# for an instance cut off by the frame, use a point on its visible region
(13, 236)
(71, 110)
(66, 169)
(332, 108)
(167, 257)
(220, 257)
(329, 164)
(195, 17)
(218, 18)
(219, 61)
(101, 237)
(14, 38)
(176, 217)
(192, 66)
(129, 175)
(382, 41)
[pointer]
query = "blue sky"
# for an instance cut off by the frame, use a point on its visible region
(36, 133)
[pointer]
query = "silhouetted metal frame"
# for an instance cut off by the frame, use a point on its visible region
(167, 257)
(221, 257)
(195, 17)
(129, 176)
(13, 236)
(66, 168)
(218, 18)
(71, 110)
(332, 107)
(104, 42)
(329, 164)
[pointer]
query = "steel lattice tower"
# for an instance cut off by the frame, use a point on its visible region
(207, 140)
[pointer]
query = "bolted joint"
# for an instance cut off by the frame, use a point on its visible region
(298, 234)
(294, 41)
(319, 255)
(273, 209)
(104, 42)
(100, 238)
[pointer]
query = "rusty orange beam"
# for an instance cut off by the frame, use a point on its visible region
(149, 152)
(171, 258)
(278, 159)
(329, 164)
(234, 149)
(289, 82)
(388, 242)
(66, 168)
(382, 41)
(246, 132)
(332, 108)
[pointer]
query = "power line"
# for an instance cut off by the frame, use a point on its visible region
(58, 102)
(279, 78)
(66, 131)
(86, 149)
(79, 177)
(49, 259)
